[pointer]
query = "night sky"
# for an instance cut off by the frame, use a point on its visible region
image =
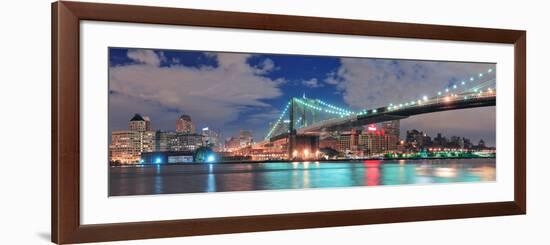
(233, 91)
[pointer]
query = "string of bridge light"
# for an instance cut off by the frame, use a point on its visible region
(333, 110)
(337, 111)
(425, 98)
(333, 107)
(278, 120)
(342, 112)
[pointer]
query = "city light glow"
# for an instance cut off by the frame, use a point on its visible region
(211, 158)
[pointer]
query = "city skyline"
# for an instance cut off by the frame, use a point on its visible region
(403, 133)
(233, 91)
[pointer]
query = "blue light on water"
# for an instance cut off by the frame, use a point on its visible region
(158, 160)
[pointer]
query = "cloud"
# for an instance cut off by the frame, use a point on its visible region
(209, 94)
(312, 83)
(266, 66)
(331, 78)
(370, 83)
(145, 56)
(175, 60)
(263, 116)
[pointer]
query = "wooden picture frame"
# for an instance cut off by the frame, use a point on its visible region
(65, 174)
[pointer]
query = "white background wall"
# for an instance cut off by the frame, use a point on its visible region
(25, 122)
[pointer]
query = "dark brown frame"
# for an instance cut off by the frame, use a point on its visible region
(65, 175)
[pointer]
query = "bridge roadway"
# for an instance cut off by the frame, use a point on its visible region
(382, 114)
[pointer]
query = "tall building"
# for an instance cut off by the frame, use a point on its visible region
(211, 138)
(246, 138)
(185, 125)
(481, 144)
(184, 142)
(328, 142)
(139, 123)
(127, 145)
(392, 128)
(375, 140)
(348, 141)
(232, 143)
(392, 133)
(440, 141)
(147, 123)
(418, 139)
(175, 141)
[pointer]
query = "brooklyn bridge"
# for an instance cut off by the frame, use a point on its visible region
(303, 119)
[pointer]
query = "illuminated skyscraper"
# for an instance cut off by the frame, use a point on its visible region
(185, 125)
(211, 138)
(139, 123)
(392, 133)
(391, 128)
(127, 145)
(348, 141)
(147, 123)
(174, 141)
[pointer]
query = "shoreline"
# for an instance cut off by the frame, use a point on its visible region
(299, 161)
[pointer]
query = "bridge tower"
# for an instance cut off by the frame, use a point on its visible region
(291, 130)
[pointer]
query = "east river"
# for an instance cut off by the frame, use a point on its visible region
(194, 178)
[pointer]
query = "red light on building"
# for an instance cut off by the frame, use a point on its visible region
(372, 127)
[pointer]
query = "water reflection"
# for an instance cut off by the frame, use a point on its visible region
(296, 175)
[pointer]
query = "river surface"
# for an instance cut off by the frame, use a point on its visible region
(196, 178)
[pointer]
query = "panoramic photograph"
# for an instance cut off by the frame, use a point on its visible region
(185, 121)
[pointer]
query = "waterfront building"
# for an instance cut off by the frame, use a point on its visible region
(147, 123)
(161, 141)
(328, 142)
(232, 143)
(392, 128)
(375, 141)
(246, 138)
(139, 123)
(177, 141)
(392, 133)
(481, 144)
(211, 138)
(185, 125)
(440, 141)
(417, 139)
(127, 145)
(167, 157)
(348, 141)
